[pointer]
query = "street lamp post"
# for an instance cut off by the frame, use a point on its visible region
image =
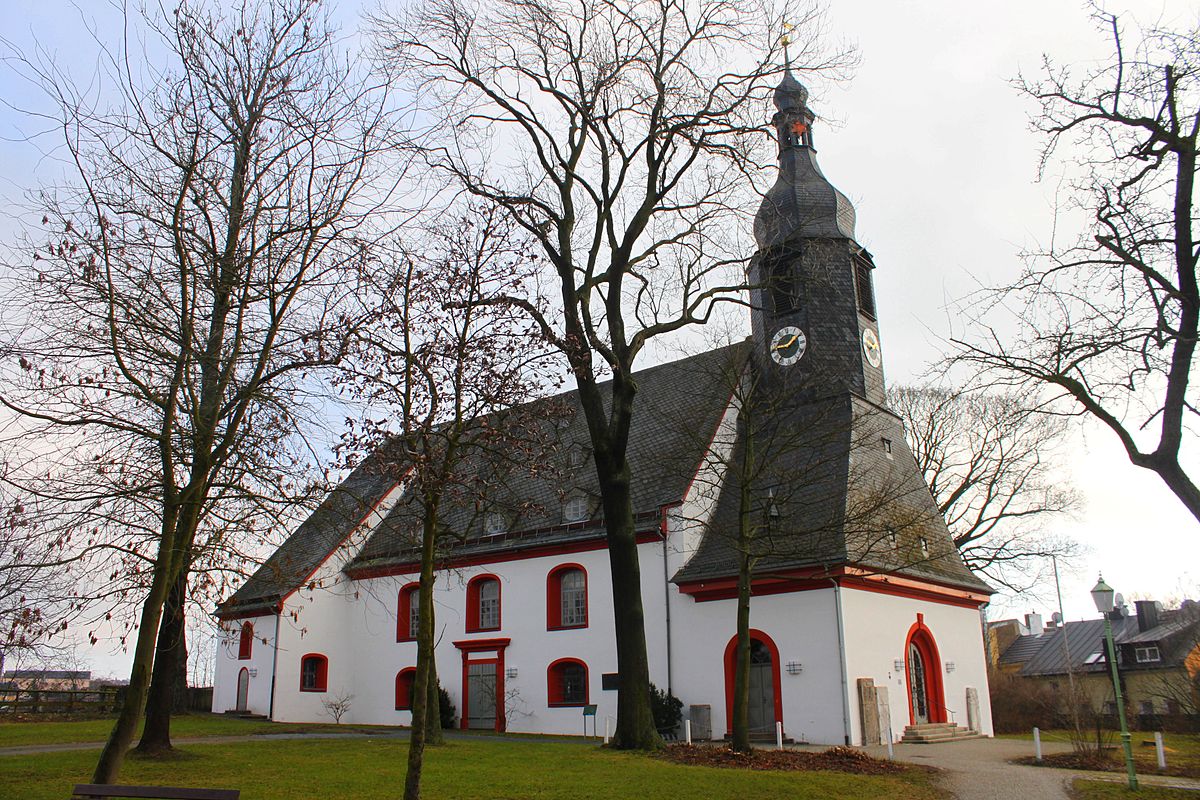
(1102, 595)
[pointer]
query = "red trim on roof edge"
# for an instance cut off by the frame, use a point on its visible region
(812, 578)
(562, 548)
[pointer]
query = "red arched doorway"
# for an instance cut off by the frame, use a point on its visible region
(766, 696)
(923, 675)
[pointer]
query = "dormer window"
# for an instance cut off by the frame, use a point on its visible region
(575, 509)
(577, 456)
(891, 536)
(924, 547)
(887, 447)
(1146, 655)
(494, 523)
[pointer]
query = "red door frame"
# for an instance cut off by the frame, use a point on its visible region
(472, 647)
(935, 698)
(731, 670)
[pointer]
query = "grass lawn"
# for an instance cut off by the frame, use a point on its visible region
(373, 769)
(1102, 790)
(19, 734)
(1183, 750)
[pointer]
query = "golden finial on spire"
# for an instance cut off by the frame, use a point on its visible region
(786, 39)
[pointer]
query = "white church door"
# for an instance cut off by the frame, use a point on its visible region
(761, 709)
(243, 690)
(916, 685)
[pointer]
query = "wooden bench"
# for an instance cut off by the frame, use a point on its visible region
(103, 791)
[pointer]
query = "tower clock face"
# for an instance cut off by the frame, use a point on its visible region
(870, 343)
(788, 345)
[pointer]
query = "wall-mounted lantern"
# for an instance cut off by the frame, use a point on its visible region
(794, 668)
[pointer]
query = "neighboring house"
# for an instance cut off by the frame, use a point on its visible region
(50, 679)
(1158, 658)
(862, 623)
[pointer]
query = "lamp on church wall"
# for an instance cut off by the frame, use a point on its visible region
(511, 672)
(794, 668)
(899, 665)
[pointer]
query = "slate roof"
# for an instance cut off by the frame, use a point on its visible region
(838, 496)
(1047, 654)
(311, 543)
(663, 457)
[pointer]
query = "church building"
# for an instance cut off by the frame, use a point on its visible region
(864, 621)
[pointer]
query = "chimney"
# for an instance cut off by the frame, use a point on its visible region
(1034, 623)
(1147, 615)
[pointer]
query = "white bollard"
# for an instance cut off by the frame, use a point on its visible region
(778, 735)
(606, 730)
(1037, 745)
(687, 730)
(1162, 752)
(891, 749)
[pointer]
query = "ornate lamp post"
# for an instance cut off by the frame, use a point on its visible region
(1102, 595)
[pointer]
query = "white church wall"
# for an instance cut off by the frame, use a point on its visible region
(258, 666)
(354, 625)
(876, 628)
(802, 626)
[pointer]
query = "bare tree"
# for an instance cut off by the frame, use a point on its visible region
(338, 706)
(446, 377)
(988, 460)
(1107, 324)
(626, 139)
(194, 273)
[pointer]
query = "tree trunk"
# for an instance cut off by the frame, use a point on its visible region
(421, 709)
(635, 720)
(168, 683)
(164, 574)
(741, 676)
(433, 717)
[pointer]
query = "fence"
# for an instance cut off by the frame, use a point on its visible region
(60, 701)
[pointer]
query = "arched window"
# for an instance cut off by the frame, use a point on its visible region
(314, 673)
(408, 613)
(566, 597)
(483, 604)
(567, 683)
(246, 642)
(404, 686)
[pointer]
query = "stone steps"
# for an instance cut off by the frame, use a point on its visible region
(934, 732)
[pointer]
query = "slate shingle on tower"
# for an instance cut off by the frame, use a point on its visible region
(845, 490)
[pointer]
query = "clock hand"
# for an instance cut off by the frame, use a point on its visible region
(788, 343)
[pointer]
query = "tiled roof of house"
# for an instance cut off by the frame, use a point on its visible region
(1047, 654)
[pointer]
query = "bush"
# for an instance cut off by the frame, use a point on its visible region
(446, 709)
(667, 709)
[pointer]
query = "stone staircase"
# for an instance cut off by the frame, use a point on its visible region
(934, 732)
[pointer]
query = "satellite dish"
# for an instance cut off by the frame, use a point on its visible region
(1056, 617)
(1119, 600)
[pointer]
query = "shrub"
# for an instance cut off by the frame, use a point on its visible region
(667, 709)
(446, 709)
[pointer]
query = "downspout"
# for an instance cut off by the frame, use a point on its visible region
(274, 664)
(666, 594)
(837, 603)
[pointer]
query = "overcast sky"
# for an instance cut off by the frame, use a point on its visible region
(933, 146)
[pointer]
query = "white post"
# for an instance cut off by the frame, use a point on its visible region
(1162, 753)
(606, 730)
(687, 730)
(778, 735)
(1037, 745)
(891, 749)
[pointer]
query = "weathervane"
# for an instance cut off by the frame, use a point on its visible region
(787, 40)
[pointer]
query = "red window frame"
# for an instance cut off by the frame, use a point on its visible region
(554, 687)
(554, 598)
(321, 683)
(404, 601)
(404, 686)
(473, 600)
(245, 641)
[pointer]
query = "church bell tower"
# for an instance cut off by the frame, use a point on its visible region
(814, 317)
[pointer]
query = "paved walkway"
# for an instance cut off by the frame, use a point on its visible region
(980, 769)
